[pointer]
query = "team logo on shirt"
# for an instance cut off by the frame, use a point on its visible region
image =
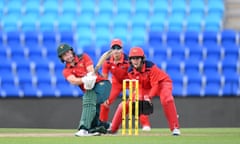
(80, 64)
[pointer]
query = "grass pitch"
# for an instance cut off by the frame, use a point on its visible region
(156, 136)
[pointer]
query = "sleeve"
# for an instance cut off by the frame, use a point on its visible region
(66, 72)
(155, 78)
(105, 68)
(88, 60)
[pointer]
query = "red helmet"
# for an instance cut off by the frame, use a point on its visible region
(136, 52)
(116, 42)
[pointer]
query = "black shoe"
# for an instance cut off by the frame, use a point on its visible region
(100, 129)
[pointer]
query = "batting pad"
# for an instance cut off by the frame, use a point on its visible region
(88, 108)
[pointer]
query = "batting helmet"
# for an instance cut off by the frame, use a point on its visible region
(63, 48)
(117, 42)
(136, 52)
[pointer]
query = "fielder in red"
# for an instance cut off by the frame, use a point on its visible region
(152, 82)
(118, 65)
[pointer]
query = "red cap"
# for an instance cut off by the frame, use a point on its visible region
(136, 52)
(116, 42)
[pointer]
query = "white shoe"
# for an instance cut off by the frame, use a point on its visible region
(146, 128)
(110, 127)
(83, 132)
(176, 132)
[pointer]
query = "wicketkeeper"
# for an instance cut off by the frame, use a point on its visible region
(79, 70)
(152, 82)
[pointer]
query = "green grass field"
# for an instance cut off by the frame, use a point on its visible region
(156, 136)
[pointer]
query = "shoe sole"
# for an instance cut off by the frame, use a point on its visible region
(89, 134)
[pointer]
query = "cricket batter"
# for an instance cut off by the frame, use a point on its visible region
(79, 70)
(118, 65)
(152, 82)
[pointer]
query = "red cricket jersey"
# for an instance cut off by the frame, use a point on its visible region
(149, 79)
(80, 68)
(118, 71)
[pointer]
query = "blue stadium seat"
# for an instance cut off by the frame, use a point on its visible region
(210, 64)
(195, 51)
(120, 20)
(194, 89)
(157, 22)
(49, 39)
(6, 68)
(121, 33)
(84, 37)
(230, 89)
(191, 37)
(177, 89)
(193, 76)
(160, 6)
(191, 65)
(67, 37)
(213, 50)
(231, 50)
(65, 22)
(124, 6)
(194, 22)
(102, 35)
(47, 90)
(31, 38)
(90, 50)
(139, 20)
(3, 52)
(106, 7)
(173, 37)
(175, 22)
(142, 7)
(213, 77)
(10, 22)
(84, 22)
(29, 90)
(10, 90)
(29, 22)
(216, 7)
(43, 75)
(229, 70)
(50, 7)
(155, 38)
(102, 21)
(175, 74)
(17, 54)
(210, 37)
(212, 23)
(160, 52)
(177, 51)
(24, 76)
(228, 36)
(36, 51)
(69, 7)
(32, 7)
(14, 39)
(138, 36)
(1, 8)
(212, 89)
(229, 65)
(88, 8)
(14, 7)
(47, 22)
(198, 6)
(178, 7)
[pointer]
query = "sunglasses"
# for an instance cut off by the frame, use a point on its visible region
(135, 57)
(116, 47)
